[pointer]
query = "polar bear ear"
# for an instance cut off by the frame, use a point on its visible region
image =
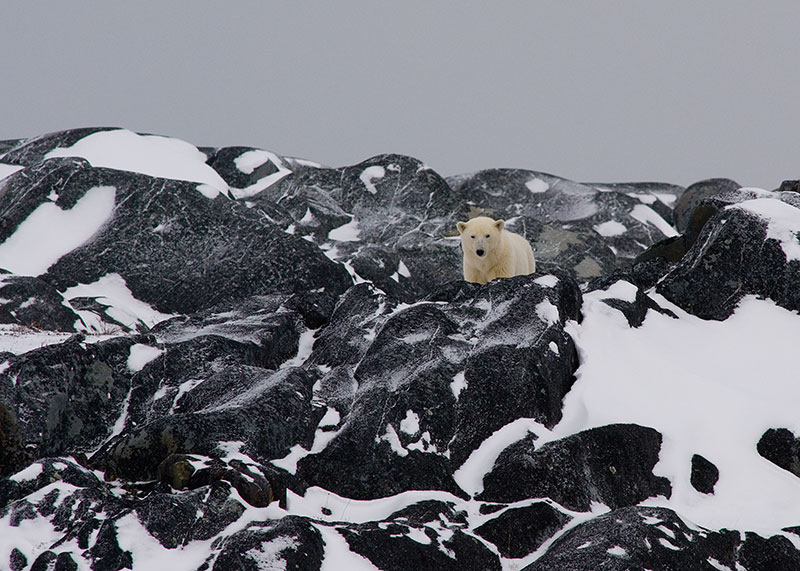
(461, 227)
(499, 224)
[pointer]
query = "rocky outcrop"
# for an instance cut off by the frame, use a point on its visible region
(225, 358)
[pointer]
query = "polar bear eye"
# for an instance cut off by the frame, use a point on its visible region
(488, 235)
(473, 236)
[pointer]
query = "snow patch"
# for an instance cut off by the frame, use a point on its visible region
(783, 222)
(371, 174)
(112, 291)
(50, 232)
(141, 355)
(410, 424)
(346, 233)
(610, 228)
(152, 155)
(647, 215)
(537, 186)
(7, 170)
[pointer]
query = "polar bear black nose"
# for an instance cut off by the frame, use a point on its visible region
(480, 252)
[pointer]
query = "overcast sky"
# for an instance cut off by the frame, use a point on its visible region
(672, 91)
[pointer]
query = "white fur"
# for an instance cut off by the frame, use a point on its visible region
(505, 254)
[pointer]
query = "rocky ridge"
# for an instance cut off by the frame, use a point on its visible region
(260, 362)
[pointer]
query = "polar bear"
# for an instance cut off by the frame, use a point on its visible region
(492, 252)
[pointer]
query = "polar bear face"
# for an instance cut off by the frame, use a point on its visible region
(480, 236)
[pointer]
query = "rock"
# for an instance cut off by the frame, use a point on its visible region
(175, 248)
(67, 397)
(611, 465)
(267, 418)
(429, 535)
(747, 248)
(423, 396)
(12, 453)
(33, 303)
(688, 220)
(518, 532)
(781, 447)
(289, 543)
(586, 229)
(639, 538)
(704, 475)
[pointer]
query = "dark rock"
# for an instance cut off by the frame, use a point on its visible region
(267, 332)
(518, 532)
(764, 554)
(781, 447)
(733, 257)
(17, 560)
(704, 475)
(611, 465)
(430, 536)
(686, 220)
(12, 453)
(269, 417)
(639, 538)
(31, 152)
(587, 229)
(289, 543)
(257, 166)
(67, 397)
(409, 418)
(175, 248)
(790, 186)
(30, 302)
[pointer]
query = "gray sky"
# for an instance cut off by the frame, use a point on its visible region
(672, 91)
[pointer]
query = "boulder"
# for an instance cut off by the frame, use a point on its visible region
(611, 465)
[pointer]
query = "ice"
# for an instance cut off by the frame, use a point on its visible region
(50, 232)
(151, 155)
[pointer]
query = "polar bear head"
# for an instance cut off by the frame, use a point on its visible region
(480, 235)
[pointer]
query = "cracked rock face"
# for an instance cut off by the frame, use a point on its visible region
(219, 359)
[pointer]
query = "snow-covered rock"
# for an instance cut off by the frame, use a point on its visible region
(219, 359)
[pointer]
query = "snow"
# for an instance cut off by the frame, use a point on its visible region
(537, 186)
(7, 170)
(30, 473)
(371, 174)
(152, 155)
(711, 388)
(141, 355)
(547, 281)
(410, 424)
(458, 384)
(346, 233)
(621, 289)
(112, 291)
(610, 229)
(783, 222)
(647, 215)
(248, 162)
(547, 312)
(50, 232)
